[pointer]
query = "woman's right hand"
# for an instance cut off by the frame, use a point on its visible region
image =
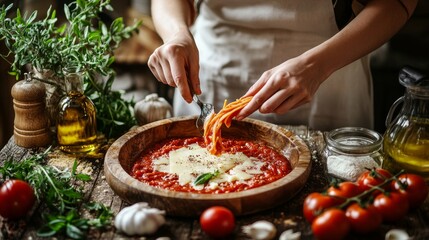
(176, 63)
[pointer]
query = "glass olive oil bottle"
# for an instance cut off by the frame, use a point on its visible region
(76, 123)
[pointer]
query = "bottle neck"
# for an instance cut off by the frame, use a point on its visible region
(418, 92)
(74, 82)
(416, 103)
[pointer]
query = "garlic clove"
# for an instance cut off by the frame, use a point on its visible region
(142, 224)
(397, 234)
(260, 230)
(126, 224)
(158, 215)
(290, 235)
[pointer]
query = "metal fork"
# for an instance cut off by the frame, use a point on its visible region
(206, 109)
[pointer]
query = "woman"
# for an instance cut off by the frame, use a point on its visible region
(290, 55)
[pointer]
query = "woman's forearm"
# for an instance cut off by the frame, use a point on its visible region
(374, 26)
(172, 16)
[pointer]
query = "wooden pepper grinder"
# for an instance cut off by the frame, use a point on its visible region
(31, 124)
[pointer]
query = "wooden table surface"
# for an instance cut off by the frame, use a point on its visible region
(284, 217)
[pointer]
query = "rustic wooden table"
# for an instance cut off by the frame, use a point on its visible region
(286, 216)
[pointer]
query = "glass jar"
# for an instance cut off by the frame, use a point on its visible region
(351, 150)
(406, 140)
(76, 123)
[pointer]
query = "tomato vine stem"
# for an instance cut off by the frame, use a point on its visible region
(358, 198)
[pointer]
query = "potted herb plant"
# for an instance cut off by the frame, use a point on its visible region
(84, 41)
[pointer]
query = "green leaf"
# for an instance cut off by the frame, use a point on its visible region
(9, 7)
(74, 167)
(83, 177)
(80, 3)
(104, 29)
(32, 17)
(205, 177)
(53, 15)
(67, 11)
(74, 232)
(46, 233)
(57, 224)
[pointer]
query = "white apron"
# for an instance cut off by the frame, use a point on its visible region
(238, 40)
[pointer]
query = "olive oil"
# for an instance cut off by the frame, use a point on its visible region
(76, 123)
(406, 147)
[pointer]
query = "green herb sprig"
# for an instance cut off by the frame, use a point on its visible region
(85, 42)
(59, 190)
(73, 225)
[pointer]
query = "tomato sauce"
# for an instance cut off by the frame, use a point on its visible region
(275, 165)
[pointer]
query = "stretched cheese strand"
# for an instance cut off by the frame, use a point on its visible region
(212, 126)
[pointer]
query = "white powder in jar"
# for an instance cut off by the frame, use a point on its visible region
(349, 168)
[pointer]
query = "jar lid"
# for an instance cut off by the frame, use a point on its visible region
(354, 140)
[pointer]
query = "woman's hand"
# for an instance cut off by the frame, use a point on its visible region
(176, 63)
(284, 87)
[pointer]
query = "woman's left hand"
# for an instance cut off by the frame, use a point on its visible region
(284, 87)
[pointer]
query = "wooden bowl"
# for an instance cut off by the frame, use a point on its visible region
(122, 154)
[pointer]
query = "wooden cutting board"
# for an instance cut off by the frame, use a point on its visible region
(122, 154)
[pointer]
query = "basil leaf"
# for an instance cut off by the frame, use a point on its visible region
(205, 177)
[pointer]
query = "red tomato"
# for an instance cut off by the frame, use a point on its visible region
(332, 224)
(392, 206)
(413, 186)
(363, 220)
(343, 190)
(315, 203)
(217, 221)
(372, 178)
(16, 199)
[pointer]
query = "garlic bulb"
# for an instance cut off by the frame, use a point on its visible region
(139, 219)
(260, 230)
(152, 108)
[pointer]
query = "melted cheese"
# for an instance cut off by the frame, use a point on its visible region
(191, 161)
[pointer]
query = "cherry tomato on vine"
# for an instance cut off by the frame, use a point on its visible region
(413, 187)
(315, 203)
(16, 199)
(343, 190)
(217, 221)
(363, 219)
(392, 206)
(373, 177)
(332, 224)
